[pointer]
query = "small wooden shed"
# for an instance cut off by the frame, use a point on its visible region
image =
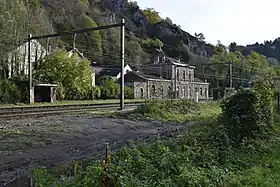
(45, 92)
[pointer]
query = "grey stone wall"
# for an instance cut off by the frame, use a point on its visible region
(169, 71)
(140, 90)
(163, 89)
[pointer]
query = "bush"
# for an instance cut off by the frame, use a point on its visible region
(242, 115)
(9, 92)
(128, 93)
(73, 75)
(266, 95)
(161, 107)
(22, 83)
(109, 89)
(96, 92)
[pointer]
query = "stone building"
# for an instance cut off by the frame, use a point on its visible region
(166, 77)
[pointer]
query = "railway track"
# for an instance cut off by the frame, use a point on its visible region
(59, 109)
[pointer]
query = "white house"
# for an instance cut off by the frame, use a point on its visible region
(18, 58)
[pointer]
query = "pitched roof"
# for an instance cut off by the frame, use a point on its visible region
(147, 76)
(73, 50)
(197, 80)
(112, 70)
(177, 62)
(107, 71)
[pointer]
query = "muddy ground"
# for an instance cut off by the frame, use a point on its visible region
(55, 140)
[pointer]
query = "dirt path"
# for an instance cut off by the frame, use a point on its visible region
(55, 140)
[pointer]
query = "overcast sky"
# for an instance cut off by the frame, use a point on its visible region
(241, 21)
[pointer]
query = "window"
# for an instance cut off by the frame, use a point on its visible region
(178, 91)
(190, 75)
(201, 92)
(160, 91)
(205, 92)
(153, 90)
(196, 90)
(184, 91)
(156, 61)
(178, 75)
(190, 92)
(184, 75)
(169, 91)
(141, 93)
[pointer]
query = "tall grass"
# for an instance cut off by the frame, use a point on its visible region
(179, 111)
(202, 157)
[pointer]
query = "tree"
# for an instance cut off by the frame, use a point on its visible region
(91, 43)
(133, 51)
(199, 36)
(111, 46)
(73, 75)
(151, 15)
(16, 23)
(168, 20)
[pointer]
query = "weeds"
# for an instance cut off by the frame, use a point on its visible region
(178, 111)
(205, 156)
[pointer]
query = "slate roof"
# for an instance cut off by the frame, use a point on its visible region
(154, 77)
(177, 62)
(107, 71)
(147, 76)
(112, 70)
(197, 80)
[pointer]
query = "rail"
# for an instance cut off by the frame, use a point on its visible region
(59, 109)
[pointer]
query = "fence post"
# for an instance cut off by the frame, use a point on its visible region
(31, 89)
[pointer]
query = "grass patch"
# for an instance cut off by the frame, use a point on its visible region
(72, 102)
(199, 158)
(179, 111)
(265, 170)
(205, 156)
(20, 140)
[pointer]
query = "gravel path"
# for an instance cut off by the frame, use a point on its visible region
(54, 140)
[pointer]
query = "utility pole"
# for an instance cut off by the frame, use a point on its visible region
(161, 88)
(74, 42)
(122, 63)
(31, 90)
(47, 47)
(27, 16)
(230, 74)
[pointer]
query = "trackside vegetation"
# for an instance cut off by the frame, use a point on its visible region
(236, 144)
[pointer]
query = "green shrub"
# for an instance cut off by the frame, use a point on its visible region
(175, 107)
(242, 115)
(72, 74)
(108, 87)
(9, 92)
(22, 83)
(266, 95)
(96, 92)
(128, 93)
